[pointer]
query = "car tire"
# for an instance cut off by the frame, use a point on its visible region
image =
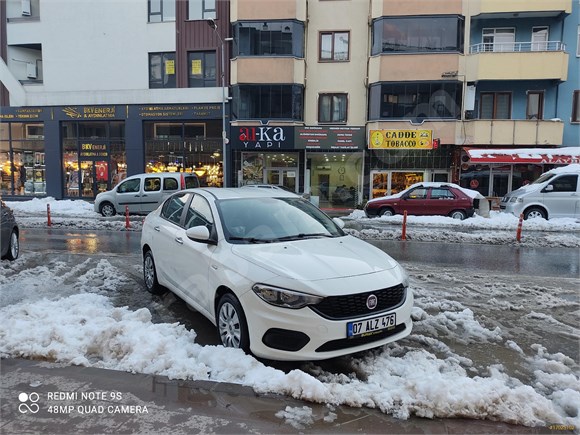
(13, 246)
(150, 274)
(458, 214)
(107, 209)
(386, 212)
(231, 323)
(535, 212)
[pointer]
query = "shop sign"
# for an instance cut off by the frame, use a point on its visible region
(401, 139)
(92, 150)
(189, 111)
(22, 113)
(262, 138)
(90, 112)
(329, 138)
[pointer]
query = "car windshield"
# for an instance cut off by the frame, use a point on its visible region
(544, 177)
(268, 220)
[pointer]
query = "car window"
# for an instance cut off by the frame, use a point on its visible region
(441, 193)
(170, 183)
(199, 213)
(565, 183)
(173, 207)
(191, 182)
(152, 184)
(127, 186)
(417, 193)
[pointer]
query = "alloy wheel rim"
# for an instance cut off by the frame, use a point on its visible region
(149, 272)
(229, 326)
(14, 247)
(107, 210)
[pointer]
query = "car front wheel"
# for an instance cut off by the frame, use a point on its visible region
(535, 212)
(150, 274)
(386, 212)
(458, 214)
(13, 247)
(107, 209)
(231, 323)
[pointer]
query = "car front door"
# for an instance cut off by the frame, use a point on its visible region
(414, 201)
(193, 259)
(129, 195)
(562, 198)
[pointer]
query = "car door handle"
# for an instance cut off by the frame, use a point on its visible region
(157, 229)
(179, 240)
(137, 196)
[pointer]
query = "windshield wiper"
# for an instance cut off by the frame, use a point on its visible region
(253, 239)
(304, 236)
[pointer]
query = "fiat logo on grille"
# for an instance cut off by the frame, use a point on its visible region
(372, 302)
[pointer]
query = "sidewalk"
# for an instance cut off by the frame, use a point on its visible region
(78, 400)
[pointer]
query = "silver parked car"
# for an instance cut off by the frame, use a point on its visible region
(9, 234)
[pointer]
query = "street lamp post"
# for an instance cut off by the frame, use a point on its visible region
(211, 23)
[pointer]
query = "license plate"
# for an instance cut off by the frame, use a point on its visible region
(372, 326)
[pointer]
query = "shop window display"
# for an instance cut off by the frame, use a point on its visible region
(22, 165)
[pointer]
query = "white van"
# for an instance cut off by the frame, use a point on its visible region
(143, 193)
(556, 194)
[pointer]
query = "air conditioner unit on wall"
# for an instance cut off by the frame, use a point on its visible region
(26, 8)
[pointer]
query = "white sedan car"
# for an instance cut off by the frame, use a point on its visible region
(276, 275)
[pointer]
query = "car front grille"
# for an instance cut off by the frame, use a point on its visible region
(355, 305)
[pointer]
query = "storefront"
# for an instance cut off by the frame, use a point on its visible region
(79, 151)
(326, 162)
(495, 172)
(399, 158)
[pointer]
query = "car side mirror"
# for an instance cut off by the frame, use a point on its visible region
(548, 188)
(339, 222)
(200, 234)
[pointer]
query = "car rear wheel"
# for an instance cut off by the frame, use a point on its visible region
(231, 323)
(107, 209)
(458, 214)
(535, 212)
(13, 246)
(150, 274)
(386, 212)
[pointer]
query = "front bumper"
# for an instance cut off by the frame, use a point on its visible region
(315, 336)
(515, 208)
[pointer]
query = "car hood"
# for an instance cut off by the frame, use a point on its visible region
(317, 259)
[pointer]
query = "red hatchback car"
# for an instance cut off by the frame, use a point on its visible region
(427, 198)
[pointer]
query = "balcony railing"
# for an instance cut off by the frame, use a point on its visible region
(516, 47)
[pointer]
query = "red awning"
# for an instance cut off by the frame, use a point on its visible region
(554, 156)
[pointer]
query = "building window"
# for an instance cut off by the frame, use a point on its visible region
(22, 170)
(269, 38)
(334, 46)
(415, 101)
(202, 69)
(496, 105)
(268, 102)
(201, 9)
(500, 39)
(332, 108)
(535, 105)
(576, 107)
(428, 34)
(161, 70)
(161, 10)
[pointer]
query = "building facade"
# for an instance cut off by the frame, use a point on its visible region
(344, 99)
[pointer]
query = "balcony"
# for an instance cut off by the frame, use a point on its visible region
(510, 7)
(517, 61)
(513, 132)
(283, 70)
(264, 10)
(411, 67)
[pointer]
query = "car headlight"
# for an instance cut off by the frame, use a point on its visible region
(284, 298)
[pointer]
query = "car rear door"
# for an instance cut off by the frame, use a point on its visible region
(441, 201)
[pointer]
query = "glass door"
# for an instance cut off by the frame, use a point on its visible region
(284, 177)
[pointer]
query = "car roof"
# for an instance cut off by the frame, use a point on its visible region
(240, 192)
(151, 174)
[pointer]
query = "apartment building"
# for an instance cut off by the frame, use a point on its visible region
(344, 99)
(94, 91)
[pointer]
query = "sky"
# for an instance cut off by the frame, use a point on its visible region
(72, 317)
